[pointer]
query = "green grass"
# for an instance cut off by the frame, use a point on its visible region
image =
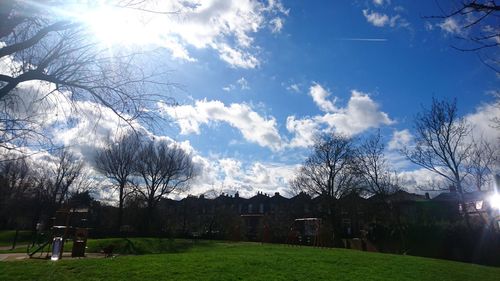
(128, 246)
(7, 237)
(242, 261)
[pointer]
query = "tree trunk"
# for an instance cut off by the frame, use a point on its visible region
(464, 206)
(120, 209)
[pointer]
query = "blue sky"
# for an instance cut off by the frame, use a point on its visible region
(259, 78)
(397, 64)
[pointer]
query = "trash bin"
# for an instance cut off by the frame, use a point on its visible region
(79, 242)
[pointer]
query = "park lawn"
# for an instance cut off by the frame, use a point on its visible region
(7, 237)
(126, 246)
(248, 261)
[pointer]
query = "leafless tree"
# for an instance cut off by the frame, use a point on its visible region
(441, 144)
(16, 178)
(162, 169)
(374, 169)
(16, 184)
(116, 161)
(329, 169)
(483, 157)
(478, 24)
(60, 178)
(329, 172)
(38, 44)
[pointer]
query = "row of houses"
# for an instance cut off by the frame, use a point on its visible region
(272, 217)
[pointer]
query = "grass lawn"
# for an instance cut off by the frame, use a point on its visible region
(242, 261)
(7, 237)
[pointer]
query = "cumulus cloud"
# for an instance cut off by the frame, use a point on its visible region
(227, 27)
(482, 122)
(421, 180)
(254, 127)
(320, 97)
(361, 113)
(375, 18)
(380, 19)
(304, 131)
(400, 139)
(231, 175)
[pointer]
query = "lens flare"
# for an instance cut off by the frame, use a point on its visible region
(495, 201)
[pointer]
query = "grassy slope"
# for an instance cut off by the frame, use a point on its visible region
(247, 261)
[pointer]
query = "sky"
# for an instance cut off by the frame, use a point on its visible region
(256, 81)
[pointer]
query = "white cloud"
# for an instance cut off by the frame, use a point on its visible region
(277, 24)
(421, 180)
(399, 9)
(428, 26)
(361, 113)
(450, 25)
(320, 95)
(229, 175)
(304, 131)
(215, 24)
(381, 20)
(236, 57)
(177, 50)
(229, 88)
(231, 168)
(481, 121)
(225, 26)
(243, 83)
(375, 18)
(294, 88)
(381, 2)
(253, 127)
(400, 139)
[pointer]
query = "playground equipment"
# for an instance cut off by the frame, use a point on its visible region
(305, 231)
(67, 224)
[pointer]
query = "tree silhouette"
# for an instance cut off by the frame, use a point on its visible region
(40, 46)
(116, 161)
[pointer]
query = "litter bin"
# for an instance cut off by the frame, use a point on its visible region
(79, 242)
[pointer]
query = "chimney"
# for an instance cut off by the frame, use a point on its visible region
(276, 194)
(427, 196)
(236, 195)
(453, 188)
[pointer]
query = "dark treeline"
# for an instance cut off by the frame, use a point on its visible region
(32, 191)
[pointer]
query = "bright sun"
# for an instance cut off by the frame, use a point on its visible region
(112, 25)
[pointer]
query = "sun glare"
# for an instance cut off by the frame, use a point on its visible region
(112, 25)
(495, 201)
